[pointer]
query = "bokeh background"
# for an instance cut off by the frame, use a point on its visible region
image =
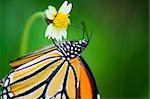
(117, 53)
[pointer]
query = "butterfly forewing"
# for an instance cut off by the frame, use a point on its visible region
(29, 57)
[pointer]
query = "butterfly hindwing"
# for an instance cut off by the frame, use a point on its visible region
(86, 85)
(86, 73)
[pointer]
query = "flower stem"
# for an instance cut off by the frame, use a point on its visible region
(25, 34)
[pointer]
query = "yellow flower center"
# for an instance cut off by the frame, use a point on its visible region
(61, 20)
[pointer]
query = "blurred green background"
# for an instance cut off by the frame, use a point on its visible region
(117, 53)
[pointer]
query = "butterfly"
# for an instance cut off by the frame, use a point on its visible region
(55, 72)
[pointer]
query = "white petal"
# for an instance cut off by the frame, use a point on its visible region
(50, 12)
(57, 38)
(55, 32)
(49, 30)
(48, 15)
(63, 7)
(68, 8)
(49, 37)
(60, 35)
(60, 38)
(64, 33)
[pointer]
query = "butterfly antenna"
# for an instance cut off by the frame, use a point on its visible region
(83, 33)
(85, 30)
(54, 42)
(83, 27)
(80, 27)
(56, 45)
(91, 35)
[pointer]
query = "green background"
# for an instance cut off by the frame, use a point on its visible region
(117, 53)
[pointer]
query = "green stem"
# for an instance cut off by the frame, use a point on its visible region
(25, 34)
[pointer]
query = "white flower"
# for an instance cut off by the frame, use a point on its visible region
(58, 21)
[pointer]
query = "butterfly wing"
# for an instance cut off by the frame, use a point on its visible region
(30, 79)
(86, 86)
(77, 83)
(46, 74)
(22, 60)
(86, 75)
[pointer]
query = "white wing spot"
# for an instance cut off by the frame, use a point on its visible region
(68, 53)
(71, 51)
(63, 97)
(63, 58)
(72, 56)
(6, 82)
(10, 94)
(71, 48)
(80, 42)
(68, 58)
(75, 48)
(75, 53)
(8, 88)
(4, 91)
(67, 46)
(5, 96)
(58, 96)
(78, 49)
(98, 96)
(77, 84)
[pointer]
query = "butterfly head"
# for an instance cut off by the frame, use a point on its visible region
(73, 48)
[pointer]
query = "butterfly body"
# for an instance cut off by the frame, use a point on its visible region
(72, 49)
(58, 72)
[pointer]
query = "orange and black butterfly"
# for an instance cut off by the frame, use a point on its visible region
(57, 72)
